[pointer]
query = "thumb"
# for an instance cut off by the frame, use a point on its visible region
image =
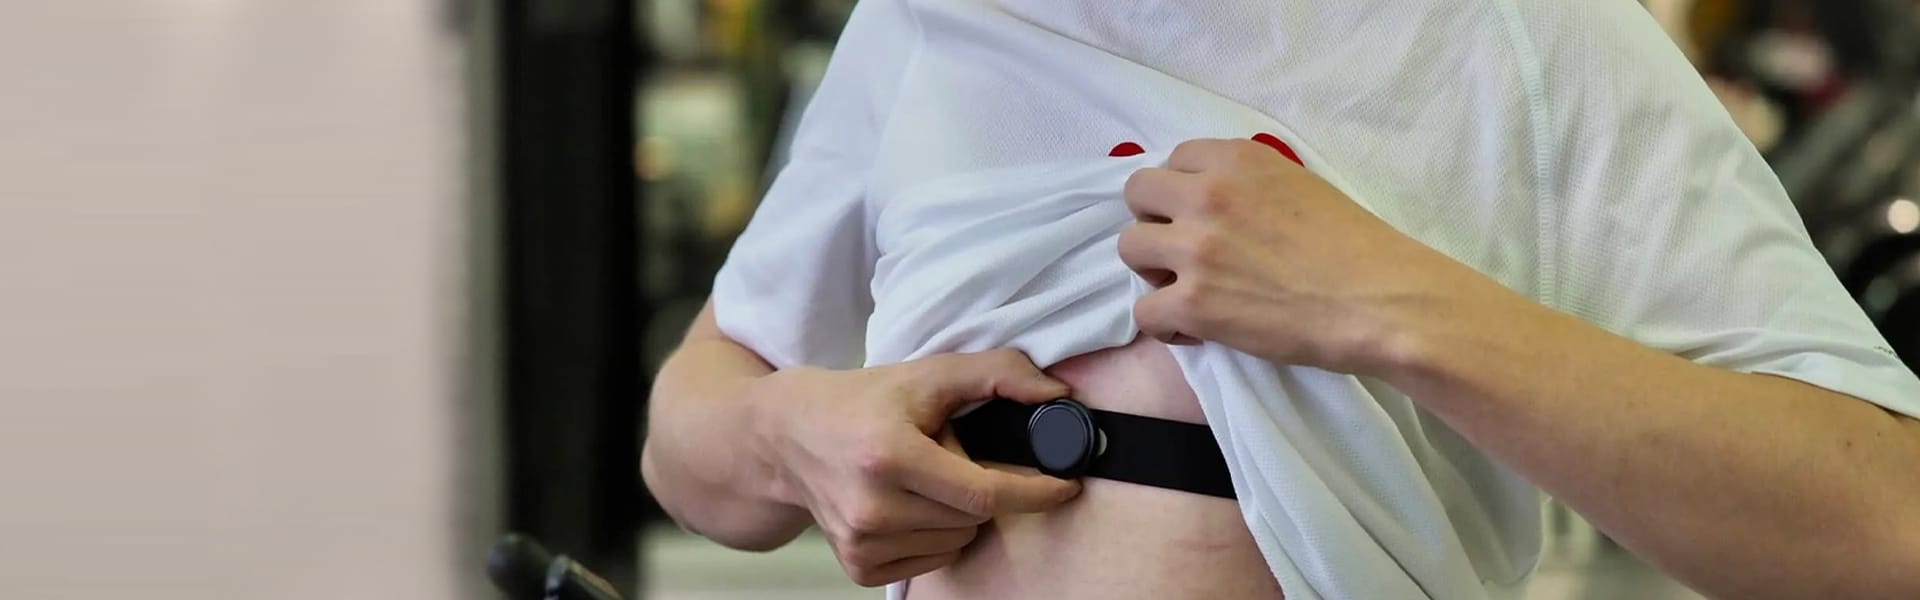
(1181, 339)
(1019, 493)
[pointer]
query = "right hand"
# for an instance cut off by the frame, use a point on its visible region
(858, 449)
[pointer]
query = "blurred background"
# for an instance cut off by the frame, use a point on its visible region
(309, 299)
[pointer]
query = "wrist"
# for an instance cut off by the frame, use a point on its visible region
(1460, 340)
(768, 417)
(1421, 340)
(1402, 336)
(1401, 351)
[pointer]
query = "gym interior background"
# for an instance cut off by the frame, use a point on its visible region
(314, 299)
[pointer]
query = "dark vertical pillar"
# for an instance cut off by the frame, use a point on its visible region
(572, 375)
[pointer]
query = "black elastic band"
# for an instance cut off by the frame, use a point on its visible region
(1142, 450)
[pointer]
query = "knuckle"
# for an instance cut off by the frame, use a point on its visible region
(1205, 248)
(1212, 195)
(850, 547)
(1188, 147)
(876, 460)
(863, 562)
(1162, 309)
(865, 519)
(1200, 312)
(1188, 301)
(838, 534)
(864, 575)
(861, 554)
(980, 500)
(1249, 151)
(1132, 188)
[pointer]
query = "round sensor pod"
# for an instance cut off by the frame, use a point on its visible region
(1063, 438)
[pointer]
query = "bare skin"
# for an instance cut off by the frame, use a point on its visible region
(1116, 540)
(1788, 491)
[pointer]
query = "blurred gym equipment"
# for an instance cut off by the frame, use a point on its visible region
(1854, 172)
(522, 569)
(1830, 92)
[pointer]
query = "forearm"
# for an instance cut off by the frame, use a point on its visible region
(698, 460)
(1741, 485)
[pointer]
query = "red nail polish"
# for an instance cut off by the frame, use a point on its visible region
(1126, 149)
(1276, 144)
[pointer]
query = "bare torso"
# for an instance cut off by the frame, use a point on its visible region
(1116, 540)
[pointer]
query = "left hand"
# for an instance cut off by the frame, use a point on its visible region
(1255, 252)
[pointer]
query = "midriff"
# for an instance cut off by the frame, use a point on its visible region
(1115, 540)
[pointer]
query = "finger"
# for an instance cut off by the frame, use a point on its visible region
(908, 568)
(950, 479)
(1158, 195)
(950, 441)
(1152, 250)
(956, 380)
(1166, 314)
(876, 560)
(1195, 156)
(907, 511)
(882, 550)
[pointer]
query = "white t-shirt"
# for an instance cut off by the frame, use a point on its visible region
(949, 190)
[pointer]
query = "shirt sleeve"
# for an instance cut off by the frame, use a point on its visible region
(794, 287)
(1669, 227)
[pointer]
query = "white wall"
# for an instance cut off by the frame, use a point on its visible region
(231, 297)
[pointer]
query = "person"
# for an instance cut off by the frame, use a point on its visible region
(1522, 247)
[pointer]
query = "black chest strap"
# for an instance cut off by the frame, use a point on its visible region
(1064, 439)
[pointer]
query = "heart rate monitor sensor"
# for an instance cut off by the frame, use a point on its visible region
(1063, 438)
